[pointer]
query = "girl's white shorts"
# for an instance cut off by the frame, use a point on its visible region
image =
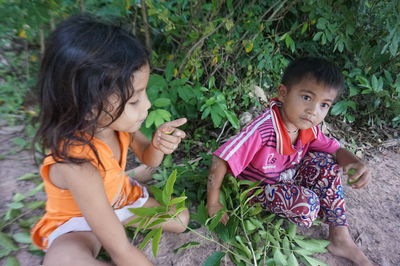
(79, 224)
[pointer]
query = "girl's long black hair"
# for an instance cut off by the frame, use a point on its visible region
(84, 63)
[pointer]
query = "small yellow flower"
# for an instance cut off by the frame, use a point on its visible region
(214, 61)
(33, 58)
(22, 34)
(248, 46)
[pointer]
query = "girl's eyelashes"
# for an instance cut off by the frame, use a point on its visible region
(134, 102)
(306, 97)
(325, 105)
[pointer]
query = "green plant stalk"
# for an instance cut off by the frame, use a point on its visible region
(216, 242)
(17, 218)
(247, 236)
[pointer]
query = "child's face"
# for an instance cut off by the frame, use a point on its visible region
(306, 103)
(135, 111)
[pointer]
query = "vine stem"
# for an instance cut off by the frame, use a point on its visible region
(214, 241)
(247, 237)
(18, 217)
(198, 43)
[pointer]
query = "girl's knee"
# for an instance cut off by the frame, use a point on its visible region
(76, 248)
(183, 221)
(67, 256)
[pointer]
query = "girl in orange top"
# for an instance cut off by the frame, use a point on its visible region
(93, 99)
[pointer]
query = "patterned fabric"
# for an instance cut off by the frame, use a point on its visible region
(262, 150)
(316, 189)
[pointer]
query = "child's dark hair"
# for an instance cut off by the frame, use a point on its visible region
(320, 69)
(84, 63)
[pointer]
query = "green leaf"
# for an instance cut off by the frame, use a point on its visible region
(229, 5)
(185, 93)
(314, 246)
(169, 187)
(167, 162)
(164, 114)
(151, 118)
(177, 200)
(7, 243)
(35, 190)
(304, 28)
(28, 176)
(201, 215)
(18, 197)
(279, 258)
(249, 225)
(156, 241)
(157, 193)
(286, 246)
(292, 261)
(302, 251)
(181, 204)
(187, 246)
(146, 239)
(162, 102)
(270, 238)
(143, 211)
(313, 261)
(15, 205)
(232, 119)
(35, 204)
(214, 259)
(169, 71)
(374, 83)
(223, 233)
(24, 238)
(291, 230)
(157, 83)
(339, 108)
(156, 222)
(216, 219)
(12, 261)
(19, 142)
(245, 248)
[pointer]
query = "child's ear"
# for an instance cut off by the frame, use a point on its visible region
(282, 92)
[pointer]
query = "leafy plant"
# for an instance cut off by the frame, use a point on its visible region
(150, 217)
(19, 212)
(254, 236)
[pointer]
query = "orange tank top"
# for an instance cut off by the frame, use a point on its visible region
(60, 205)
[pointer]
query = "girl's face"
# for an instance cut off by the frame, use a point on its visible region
(305, 104)
(135, 110)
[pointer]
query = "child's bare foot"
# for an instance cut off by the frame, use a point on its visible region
(342, 245)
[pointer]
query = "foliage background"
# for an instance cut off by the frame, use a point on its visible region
(207, 56)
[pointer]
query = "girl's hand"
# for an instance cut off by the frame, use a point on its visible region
(359, 174)
(214, 208)
(167, 137)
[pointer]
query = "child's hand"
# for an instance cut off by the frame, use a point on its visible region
(214, 208)
(167, 137)
(359, 174)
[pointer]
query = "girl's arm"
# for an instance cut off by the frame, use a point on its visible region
(347, 161)
(165, 141)
(86, 186)
(215, 178)
(145, 151)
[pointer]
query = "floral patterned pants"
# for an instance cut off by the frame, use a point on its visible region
(316, 189)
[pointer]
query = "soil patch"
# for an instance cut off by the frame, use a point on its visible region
(374, 212)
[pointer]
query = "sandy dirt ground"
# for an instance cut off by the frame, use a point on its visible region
(374, 212)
